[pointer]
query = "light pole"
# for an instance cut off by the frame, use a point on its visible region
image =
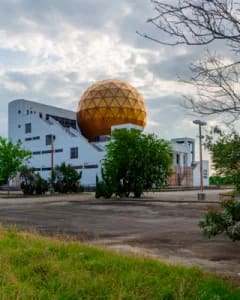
(201, 195)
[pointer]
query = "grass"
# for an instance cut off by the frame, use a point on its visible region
(35, 267)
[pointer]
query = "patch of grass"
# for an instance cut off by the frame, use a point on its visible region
(35, 267)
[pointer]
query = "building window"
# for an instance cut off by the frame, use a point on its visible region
(177, 159)
(19, 126)
(40, 115)
(58, 150)
(36, 169)
(36, 138)
(27, 111)
(28, 128)
(46, 151)
(74, 153)
(28, 139)
(90, 166)
(205, 174)
(49, 139)
(36, 152)
(19, 111)
(78, 167)
(46, 169)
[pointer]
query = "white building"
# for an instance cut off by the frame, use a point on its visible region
(52, 135)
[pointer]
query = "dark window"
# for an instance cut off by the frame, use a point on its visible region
(46, 169)
(178, 159)
(58, 150)
(49, 139)
(19, 111)
(36, 138)
(78, 167)
(28, 128)
(27, 111)
(19, 126)
(65, 122)
(90, 166)
(40, 115)
(46, 151)
(28, 139)
(205, 174)
(36, 169)
(74, 153)
(36, 152)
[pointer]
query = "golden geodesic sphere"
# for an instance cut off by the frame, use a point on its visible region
(107, 103)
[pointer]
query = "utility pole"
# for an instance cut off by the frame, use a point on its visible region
(201, 195)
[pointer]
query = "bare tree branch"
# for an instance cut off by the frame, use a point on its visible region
(201, 22)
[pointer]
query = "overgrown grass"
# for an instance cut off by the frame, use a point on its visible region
(34, 267)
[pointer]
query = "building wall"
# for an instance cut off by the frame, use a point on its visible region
(89, 156)
(196, 174)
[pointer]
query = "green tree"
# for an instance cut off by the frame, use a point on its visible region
(225, 152)
(136, 161)
(66, 179)
(12, 157)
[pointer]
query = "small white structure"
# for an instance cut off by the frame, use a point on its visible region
(52, 135)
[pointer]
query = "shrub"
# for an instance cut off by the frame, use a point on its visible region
(66, 179)
(225, 221)
(103, 189)
(32, 183)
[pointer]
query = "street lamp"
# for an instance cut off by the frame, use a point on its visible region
(201, 195)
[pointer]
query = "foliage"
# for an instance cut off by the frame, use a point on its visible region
(202, 23)
(135, 161)
(103, 188)
(226, 221)
(12, 158)
(225, 152)
(31, 182)
(66, 179)
(36, 267)
(221, 180)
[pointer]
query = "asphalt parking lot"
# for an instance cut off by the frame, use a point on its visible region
(163, 225)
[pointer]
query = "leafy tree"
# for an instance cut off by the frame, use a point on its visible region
(136, 161)
(66, 179)
(12, 158)
(226, 221)
(225, 152)
(205, 23)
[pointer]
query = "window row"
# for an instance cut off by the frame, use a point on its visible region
(46, 151)
(75, 167)
(73, 152)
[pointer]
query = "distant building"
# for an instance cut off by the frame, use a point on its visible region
(55, 135)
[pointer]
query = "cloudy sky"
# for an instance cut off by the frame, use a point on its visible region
(51, 51)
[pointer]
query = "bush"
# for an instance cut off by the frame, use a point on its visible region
(103, 189)
(66, 179)
(221, 180)
(226, 221)
(32, 183)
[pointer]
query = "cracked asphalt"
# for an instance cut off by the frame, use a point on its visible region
(161, 225)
